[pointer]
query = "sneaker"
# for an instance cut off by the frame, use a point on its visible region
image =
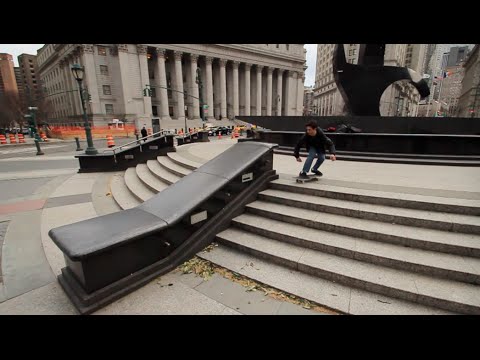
(303, 175)
(318, 173)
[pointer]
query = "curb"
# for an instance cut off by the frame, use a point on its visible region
(5, 146)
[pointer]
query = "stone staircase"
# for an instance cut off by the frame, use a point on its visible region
(140, 183)
(354, 250)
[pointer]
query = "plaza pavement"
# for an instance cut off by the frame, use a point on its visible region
(30, 261)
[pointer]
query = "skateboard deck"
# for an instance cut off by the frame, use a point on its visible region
(309, 179)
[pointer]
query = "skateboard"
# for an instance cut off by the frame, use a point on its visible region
(310, 178)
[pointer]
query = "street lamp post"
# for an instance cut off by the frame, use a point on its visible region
(185, 117)
(78, 72)
(200, 86)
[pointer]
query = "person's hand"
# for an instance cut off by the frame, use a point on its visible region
(333, 157)
(299, 159)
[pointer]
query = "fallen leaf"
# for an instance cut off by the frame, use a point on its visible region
(108, 194)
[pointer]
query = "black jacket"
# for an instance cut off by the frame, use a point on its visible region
(319, 142)
(144, 132)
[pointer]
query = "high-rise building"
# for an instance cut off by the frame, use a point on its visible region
(456, 55)
(415, 57)
(469, 100)
(441, 57)
(18, 79)
(30, 78)
(451, 88)
(308, 101)
(236, 80)
(327, 99)
(8, 84)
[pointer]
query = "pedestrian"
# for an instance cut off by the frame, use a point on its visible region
(315, 141)
(144, 133)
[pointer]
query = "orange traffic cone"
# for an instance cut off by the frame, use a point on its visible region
(110, 141)
(21, 139)
(149, 131)
(13, 140)
(219, 135)
(3, 140)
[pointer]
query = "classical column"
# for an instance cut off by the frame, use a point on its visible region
(208, 63)
(279, 92)
(194, 89)
(147, 100)
(179, 81)
(67, 73)
(223, 89)
(269, 91)
(259, 90)
(91, 78)
(236, 111)
(300, 82)
(247, 89)
(125, 79)
(292, 100)
(162, 75)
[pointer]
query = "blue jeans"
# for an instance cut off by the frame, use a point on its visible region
(311, 155)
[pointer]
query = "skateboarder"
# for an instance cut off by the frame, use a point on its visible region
(315, 141)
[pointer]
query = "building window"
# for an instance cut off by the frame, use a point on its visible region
(109, 108)
(103, 69)
(102, 51)
(154, 93)
(107, 90)
(154, 111)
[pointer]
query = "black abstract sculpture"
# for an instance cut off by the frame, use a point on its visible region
(362, 85)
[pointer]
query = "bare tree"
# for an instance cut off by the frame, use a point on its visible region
(44, 109)
(12, 110)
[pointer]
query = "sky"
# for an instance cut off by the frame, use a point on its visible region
(17, 49)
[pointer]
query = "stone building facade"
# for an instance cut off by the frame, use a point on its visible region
(469, 99)
(236, 79)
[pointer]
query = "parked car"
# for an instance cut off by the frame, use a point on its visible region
(219, 129)
(225, 130)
